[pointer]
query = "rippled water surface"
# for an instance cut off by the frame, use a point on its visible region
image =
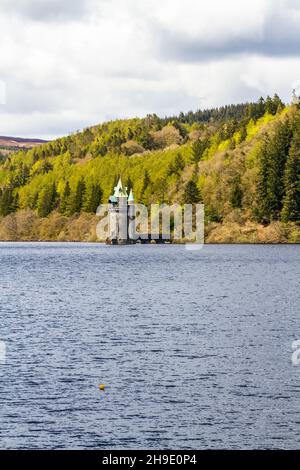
(194, 347)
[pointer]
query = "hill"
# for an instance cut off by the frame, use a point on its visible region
(12, 144)
(241, 160)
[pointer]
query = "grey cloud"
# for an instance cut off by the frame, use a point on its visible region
(161, 102)
(279, 37)
(46, 10)
(82, 73)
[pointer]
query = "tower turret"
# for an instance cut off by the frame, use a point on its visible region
(131, 198)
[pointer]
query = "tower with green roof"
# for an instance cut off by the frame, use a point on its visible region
(121, 213)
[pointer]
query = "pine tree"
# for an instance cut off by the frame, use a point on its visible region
(16, 202)
(269, 105)
(191, 193)
(260, 108)
(65, 199)
(279, 150)
(7, 201)
(93, 198)
(47, 200)
(291, 202)
(262, 209)
(198, 148)
(243, 134)
(22, 175)
(278, 105)
(146, 188)
(78, 197)
(274, 105)
(34, 200)
(177, 165)
(271, 188)
(146, 181)
(237, 194)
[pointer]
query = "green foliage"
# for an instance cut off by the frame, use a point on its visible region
(273, 106)
(129, 184)
(176, 167)
(145, 187)
(212, 214)
(8, 202)
(191, 193)
(47, 200)
(93, 197)
(198, 148)
(65, 200)
(236, 197)
(271, 188)
(242, 135)
(291, 201)
(76, 203)
(239, 158)
(146, 181)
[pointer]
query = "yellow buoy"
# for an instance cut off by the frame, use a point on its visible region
(101, 387)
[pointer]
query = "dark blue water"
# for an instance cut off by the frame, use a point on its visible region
(194, 347)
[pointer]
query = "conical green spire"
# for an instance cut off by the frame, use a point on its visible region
(131, 197)
(118, 189)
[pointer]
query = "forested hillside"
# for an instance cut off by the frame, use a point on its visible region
(242, 161)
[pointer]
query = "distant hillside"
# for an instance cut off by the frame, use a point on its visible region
(241, 160)
(12, 144)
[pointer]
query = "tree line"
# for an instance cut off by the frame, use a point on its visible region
(84, 198)
(278, 189)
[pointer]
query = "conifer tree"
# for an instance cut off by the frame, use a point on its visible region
(291, 202)
(47, 200)
(146, 188)
(278, 153)
(93, 198)
(191, 193)
(237, 194)
(197, 150)
(243, 134)
(65, 199)
(16, 202)
(260, 107)
(262, 210)
(177, 165)
(273, 157)
(78, 197)
(7, 202)
(146, 181)
(278, 105)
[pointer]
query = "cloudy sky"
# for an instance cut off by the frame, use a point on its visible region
(72, 63)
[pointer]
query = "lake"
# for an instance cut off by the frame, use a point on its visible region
(194, 347)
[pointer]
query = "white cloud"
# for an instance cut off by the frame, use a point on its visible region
(70, 64)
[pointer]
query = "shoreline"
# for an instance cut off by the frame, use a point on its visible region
(85, 242)
(26, 226)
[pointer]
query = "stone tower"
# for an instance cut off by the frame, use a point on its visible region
(120, 215)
